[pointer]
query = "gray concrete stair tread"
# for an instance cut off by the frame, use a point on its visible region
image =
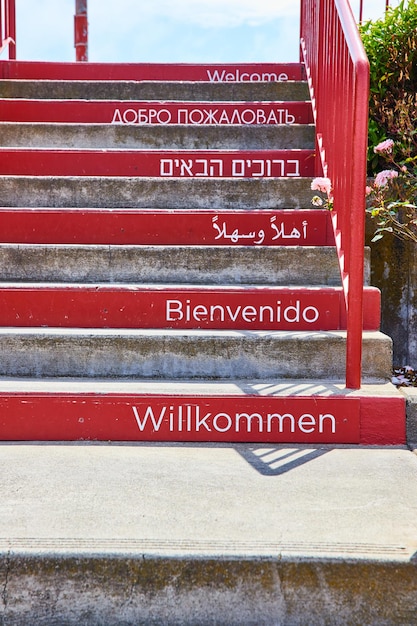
(162, 286)
(276, 334)
(208, 534)
(174, 193)
(154, 90)
(278, 265)
(70, 136)
(185, 354)
(262, 387)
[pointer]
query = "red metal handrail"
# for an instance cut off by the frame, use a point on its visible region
(338, 75)
(81, 31)
(8, 27)
(387, 3)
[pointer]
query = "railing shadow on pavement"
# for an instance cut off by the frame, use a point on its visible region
(275, 460)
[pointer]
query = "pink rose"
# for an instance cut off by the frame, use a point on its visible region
(385, 147)
(322, 184)
(382, 178)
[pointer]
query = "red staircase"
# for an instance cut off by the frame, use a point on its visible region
(159, 284)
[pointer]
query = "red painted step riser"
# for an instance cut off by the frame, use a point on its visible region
(130, 227)
(250, 72)
(129, 418)
(118, 307)
(156, 113)
(117, 417)
(158, 163)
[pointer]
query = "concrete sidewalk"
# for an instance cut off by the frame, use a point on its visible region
(207, 534)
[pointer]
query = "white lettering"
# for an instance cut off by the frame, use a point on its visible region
(238, 76)
(186, 167)
(282, 166)
(211, 116)
(190, 418)
(143, 116)
(272, 118)
(177, 310)
(174, 307)
(280, 419)
(200, 311)
(130, 116)
(296, 171)
(249, 419)
(216, 77)
(219, 164)
(306, 423)
(149, 415)
(270, 78)
(238, 167)
(183, 112)
(270, 310)
(236, 117)
(249, 312)
(201, 421)
(205, 169)
(117, 118)
(315, 316)
(194, 113)
(296, 313)
(327, 416)
(213, 309)
(164, 116)
(163, 170)
(228, 419)
(224, 118)
(233, 316)
(252, 118)
(260, 116)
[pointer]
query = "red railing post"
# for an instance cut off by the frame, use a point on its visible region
(81, 31)
(8, 27)
(338, 76)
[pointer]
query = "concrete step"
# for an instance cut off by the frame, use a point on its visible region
(166, 193)
(211, 72)
(267, 411)
(172, 137)
(180, 306)
(134, 113)
(243, 535)
(154, 90)
(203, 354)
(163, 264)
(158, 163)
(153, 227)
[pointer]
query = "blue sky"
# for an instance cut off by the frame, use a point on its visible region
(167, 30)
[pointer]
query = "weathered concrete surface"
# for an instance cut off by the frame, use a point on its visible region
(214, 265)
(394, 272)
(98, 136)
(200, 535)
(153, 90)
(410, 394)
(154, 193)
(167, 354)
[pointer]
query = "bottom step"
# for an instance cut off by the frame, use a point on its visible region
(231, 412)
(207, 534)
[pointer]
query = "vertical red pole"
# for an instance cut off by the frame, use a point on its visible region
(81, 31)
(12, 29)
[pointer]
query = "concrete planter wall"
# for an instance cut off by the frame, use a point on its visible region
(394, 271)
